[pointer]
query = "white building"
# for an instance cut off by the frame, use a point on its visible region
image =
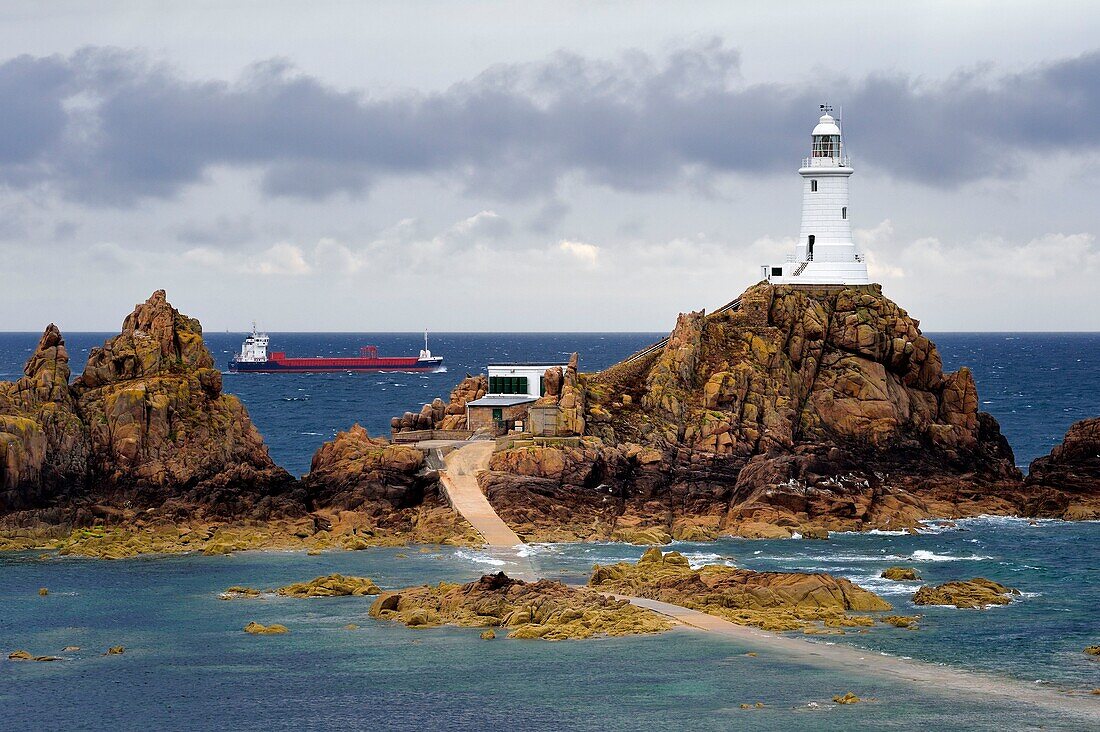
(513, 387)
(825, 253)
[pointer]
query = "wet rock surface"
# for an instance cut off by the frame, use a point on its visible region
(974, 593)
(545, 610)
(333, 585)
(776, 601)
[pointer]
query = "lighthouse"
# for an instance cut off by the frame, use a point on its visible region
(825, 253)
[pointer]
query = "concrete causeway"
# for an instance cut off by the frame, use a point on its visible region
(459, 479)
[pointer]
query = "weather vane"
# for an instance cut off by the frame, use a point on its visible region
(826, 108)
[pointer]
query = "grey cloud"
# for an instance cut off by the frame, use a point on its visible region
(107, 127)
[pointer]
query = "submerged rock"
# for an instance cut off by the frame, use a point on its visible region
(237, 592)
(770, 600)
(544, 610)
(902, 621)
(974, 593)
(255, 628)
(900, 574)
(25, 656)
(43, 591)
(333, 585)
(115, 651)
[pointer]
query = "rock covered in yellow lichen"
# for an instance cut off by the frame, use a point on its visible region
(545, 609)
(333, 585)
(900, 574)
(255, 628)
(770, 600)
(974, 593)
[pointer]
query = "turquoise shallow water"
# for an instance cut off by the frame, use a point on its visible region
(189, 665)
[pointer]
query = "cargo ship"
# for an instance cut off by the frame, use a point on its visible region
(254, 358)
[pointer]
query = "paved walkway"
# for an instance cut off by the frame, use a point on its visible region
(459, 479)
(991, 688)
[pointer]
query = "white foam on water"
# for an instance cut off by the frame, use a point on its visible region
(479, 558)
(700, 559)
(924, 555)
(534, 550)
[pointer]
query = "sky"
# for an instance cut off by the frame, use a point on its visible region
(537, 166)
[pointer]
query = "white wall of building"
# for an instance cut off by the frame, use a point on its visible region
(533, 373)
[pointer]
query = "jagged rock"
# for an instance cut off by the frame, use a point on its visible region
(848, 698)
(974, 593)
(333, 585)
(115, 651)
(146, 425)
(900, 574)
(1066, 483)
(769, 600)
(44, 443)
(1093, 650)
(355, 468)
(440, 415)
(544, 610)
(825, 408)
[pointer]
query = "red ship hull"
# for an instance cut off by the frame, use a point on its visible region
(279, 363)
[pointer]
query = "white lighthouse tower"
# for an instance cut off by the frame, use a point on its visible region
(825, 253)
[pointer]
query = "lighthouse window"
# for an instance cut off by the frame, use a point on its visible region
(777, 271)
(844, 212)
(813, 186)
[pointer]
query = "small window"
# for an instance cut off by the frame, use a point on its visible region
(813, 186)
(777, 271)
(498, 415)
(844, 213)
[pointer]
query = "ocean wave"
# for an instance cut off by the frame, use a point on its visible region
(924, 555)
(881, 586)
(534, 550)
(479, 558)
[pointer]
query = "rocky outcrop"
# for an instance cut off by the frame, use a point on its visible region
(974, 593)
(371, 491)
(145, 426)
(254, 628)
(769, 600)
(1066, 483)
(333, 585)
(440, 415)
(900, 574)
(823, 408)
(543, 610)
(44, 444)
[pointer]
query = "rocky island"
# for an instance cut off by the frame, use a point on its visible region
(793, 411)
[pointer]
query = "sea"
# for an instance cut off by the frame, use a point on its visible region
(188, 665)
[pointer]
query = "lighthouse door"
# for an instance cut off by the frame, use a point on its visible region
(810, 249)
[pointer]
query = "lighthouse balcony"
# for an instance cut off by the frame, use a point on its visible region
(842, 161)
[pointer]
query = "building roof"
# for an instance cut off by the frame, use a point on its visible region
(545, 364)
(501, 400)
(826, 126)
